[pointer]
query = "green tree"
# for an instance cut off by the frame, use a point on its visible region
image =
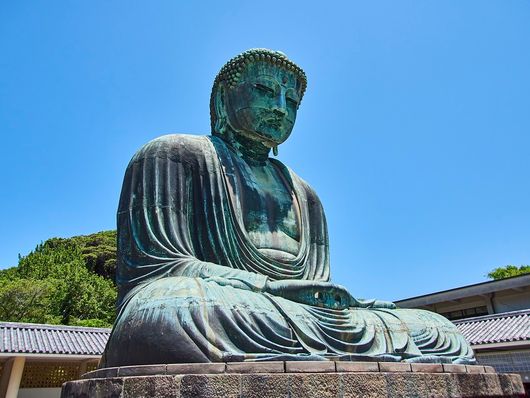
(99, 252)
(25, 300)
(68, 281)
(81, 296)
(509, 271)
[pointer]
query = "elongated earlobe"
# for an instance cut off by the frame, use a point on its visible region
(220, 122)
(275, 150)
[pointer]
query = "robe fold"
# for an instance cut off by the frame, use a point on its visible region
(191, 281)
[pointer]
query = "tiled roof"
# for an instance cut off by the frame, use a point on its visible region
(32, 338)
(496, 328)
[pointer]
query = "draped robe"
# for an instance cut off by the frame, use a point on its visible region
(191, 282)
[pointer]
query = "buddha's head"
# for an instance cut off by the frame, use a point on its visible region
(256, 95)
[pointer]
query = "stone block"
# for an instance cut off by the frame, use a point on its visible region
(309, 366)
(394, 367)
(492, 384)
(427, 367)
(454, 368)
(100, 388)
(101, 373)
(195, 368)
(407, 385)
(490, 369)
(475, 369)
(264, 385)
(364, 385)
(255, 367)
(511, 385)
(141, 370)
(78, 388)
(517, 385)
(506, 384)
(342, 366)
(312, 385)
(472, 385)
(210, 386)
(150, 387)
(109, 388)
(442, 385)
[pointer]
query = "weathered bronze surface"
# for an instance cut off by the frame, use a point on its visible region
(223, 252)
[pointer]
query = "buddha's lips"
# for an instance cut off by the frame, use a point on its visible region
(275, 121)
(272, 122)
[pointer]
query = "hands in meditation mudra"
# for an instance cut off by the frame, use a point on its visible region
(223, 252)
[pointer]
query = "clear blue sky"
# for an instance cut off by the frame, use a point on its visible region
(415, 129)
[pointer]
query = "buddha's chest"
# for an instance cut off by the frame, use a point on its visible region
(269, 210)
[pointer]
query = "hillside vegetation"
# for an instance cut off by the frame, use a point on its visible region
(63, 281)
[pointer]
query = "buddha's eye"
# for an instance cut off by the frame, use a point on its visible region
(264, 88)
(292, 101)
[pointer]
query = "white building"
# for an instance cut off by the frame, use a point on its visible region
(35, 360)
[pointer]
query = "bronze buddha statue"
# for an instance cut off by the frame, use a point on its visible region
(223, 251)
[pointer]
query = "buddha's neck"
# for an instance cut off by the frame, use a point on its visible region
(251, 150)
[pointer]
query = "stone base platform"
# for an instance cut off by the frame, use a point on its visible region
(296, 379)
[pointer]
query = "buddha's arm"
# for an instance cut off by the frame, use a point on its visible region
(315, 293)
(222, 275)
(321, 294)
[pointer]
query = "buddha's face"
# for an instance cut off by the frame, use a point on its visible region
(263, 104)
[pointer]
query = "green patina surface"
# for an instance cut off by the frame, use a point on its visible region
(223, 251)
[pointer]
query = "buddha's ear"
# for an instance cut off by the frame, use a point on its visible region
(220, 126)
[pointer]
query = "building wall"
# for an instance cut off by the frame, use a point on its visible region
(39, 393)
(512, 361)
(493, 303)
(448, 306)
(512, 300)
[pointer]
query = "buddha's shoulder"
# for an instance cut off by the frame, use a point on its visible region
(176, 147)
(311, 194)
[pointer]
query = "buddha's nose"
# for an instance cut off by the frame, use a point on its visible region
(280, 107)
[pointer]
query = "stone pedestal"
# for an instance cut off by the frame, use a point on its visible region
(296, 379)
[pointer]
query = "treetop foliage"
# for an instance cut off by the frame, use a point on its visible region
(509, 271)
(63, 281)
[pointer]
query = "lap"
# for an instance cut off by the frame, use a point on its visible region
(175, 295)
(184, 292)
(184, 319)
